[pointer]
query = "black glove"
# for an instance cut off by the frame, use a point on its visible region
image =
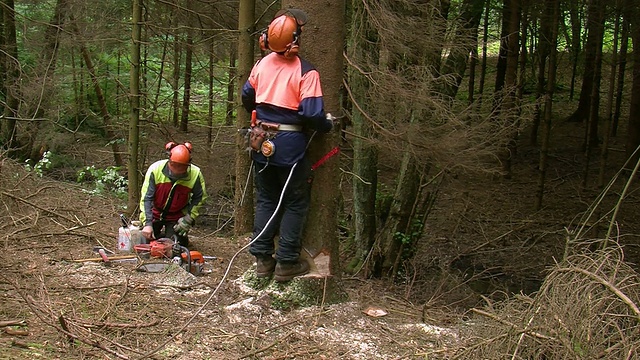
(183, 225)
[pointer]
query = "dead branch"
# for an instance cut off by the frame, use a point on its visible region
(608, 285)
(12, 323)
(87, 324)
(505, 322)
(258, 351)
(36, 206)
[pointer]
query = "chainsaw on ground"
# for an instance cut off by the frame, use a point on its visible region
(169, 252)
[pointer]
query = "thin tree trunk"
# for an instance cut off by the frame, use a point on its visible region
(186, 96)
(231, 86)
(576, 31)
(102, 102)
(211, 93)
(473, 64)
(633, 127)
(47, 67)
(622, 66)
(77, 99)
(134, 97)
(551, 83)
(509, 105)
(591, 130)
(156, 96)
(3, 64)
(595, 27)
(455, 64)
(243, 198)
(176, 80)
(12, 82)
(544, 48)
(485, 39)
(501, 66)
(393, 232)
(604, 151)
(365, 153)
(524, 27)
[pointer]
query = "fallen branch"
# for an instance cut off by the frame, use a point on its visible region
(10, 331)
(87, 324)
(504, 322)
(36, 206)
(258, 351)
(608, 285)
(64, 232)
(12, 323)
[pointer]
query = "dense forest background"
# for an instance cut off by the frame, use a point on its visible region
(482, 142)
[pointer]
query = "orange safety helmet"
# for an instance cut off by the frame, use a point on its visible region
(283, 33)
(179, 154)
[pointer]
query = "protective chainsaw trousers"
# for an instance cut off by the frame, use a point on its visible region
(291, 216)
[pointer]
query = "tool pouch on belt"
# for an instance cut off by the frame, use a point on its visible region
(260, 138)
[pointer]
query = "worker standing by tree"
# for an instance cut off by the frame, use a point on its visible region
(172, 194)
(284, 91)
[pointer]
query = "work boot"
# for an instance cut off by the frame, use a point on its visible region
(286, 271)
(264, 266)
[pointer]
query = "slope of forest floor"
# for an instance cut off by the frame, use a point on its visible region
(484, 241)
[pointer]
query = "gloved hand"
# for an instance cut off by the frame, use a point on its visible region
(147, 232)
(183, 225)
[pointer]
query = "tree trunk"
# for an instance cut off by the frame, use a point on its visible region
(322, 45)
(160, 76)
(47, 66)
(473, 64)
(591, 138)
(102, 102)
(523, 56)
(243, 198)
(3, 63)
(544, 47)
(12, 80)
(186, 96)
(501, 66)
(211, 91)
(551, 84)
(508, 108)
(595, 26)
(622, 66)
(575, 9)
(604, 151)
(231, 86)
(394, 234)
(485, 39)
(175, 84)
(633, 128)
(134, 98)
(365, 153)
(467, 36)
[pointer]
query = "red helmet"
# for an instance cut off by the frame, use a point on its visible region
(180, 154)
(282, 34)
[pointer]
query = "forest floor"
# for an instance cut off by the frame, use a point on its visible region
(484, 241)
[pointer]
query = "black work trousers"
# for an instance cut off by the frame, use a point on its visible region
(291, 216)
(164, 229)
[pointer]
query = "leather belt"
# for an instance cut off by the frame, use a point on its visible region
(289, 127)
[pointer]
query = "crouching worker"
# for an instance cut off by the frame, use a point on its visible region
(172, 194)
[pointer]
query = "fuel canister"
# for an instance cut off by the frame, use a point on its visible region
(124, 240)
